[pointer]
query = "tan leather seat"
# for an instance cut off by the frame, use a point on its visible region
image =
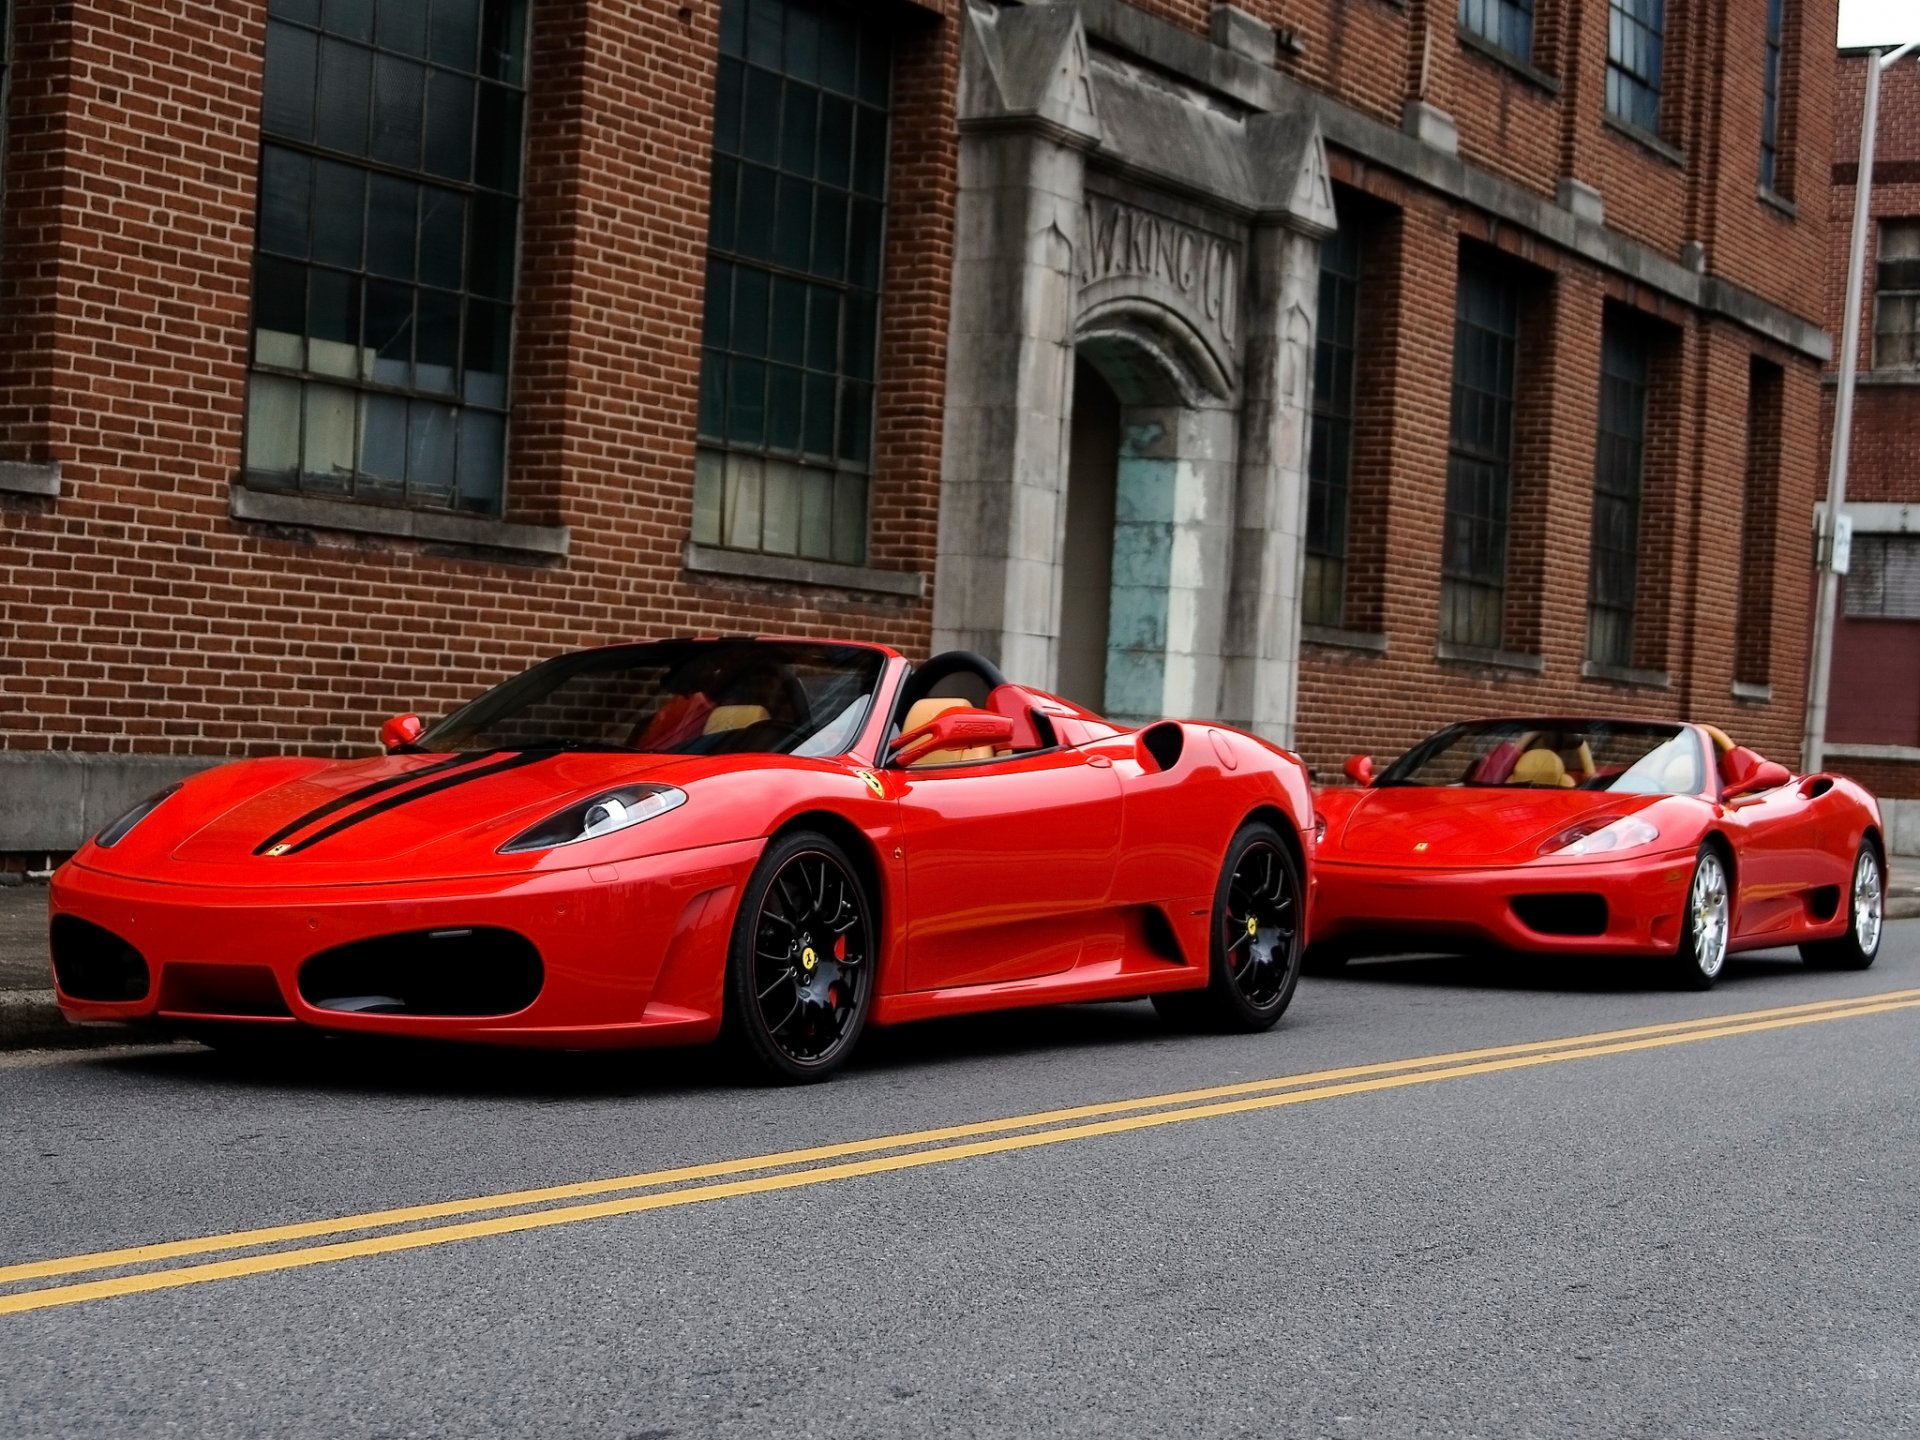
(735, 717)
(1540, 767)
(925, 712)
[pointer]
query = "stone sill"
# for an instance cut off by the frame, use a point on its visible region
(1908, 754)
(1777, 201)
(308, 512)
(791, 570)
(1749, 694)
(1625, 675)
(1646, 140)
(1337, 638)
(1507, 60)
(20, 478)
(1453, 654)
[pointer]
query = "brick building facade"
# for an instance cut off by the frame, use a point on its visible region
(1873, 728)
(1352, 363)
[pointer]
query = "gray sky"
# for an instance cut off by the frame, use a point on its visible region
(1879, 22)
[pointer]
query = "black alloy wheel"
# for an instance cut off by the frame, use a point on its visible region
(800, 973)
(1257, 942)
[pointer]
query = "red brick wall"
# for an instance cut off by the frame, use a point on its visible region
(139, 615)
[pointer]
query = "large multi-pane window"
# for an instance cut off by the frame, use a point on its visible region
(1896, 297)
(1618, 472)
(1770, 98)
(384, 273)
(794, 252)
(1479, 458)
(1636, 35)
(1505, 23)
(1759, 524)
(1330, 460)
(1883, 578)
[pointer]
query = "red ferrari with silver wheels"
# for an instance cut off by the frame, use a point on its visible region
(781, 841)
(1585, 835)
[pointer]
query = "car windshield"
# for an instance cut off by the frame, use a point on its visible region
(1627, 757)
(677, 697)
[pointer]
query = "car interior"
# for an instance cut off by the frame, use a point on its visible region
(962, 680)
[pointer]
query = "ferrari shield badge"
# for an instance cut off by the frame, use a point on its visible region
(873, 784)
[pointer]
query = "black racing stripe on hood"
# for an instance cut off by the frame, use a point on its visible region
(433, 787)
(367, 792)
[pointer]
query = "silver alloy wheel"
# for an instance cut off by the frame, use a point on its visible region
(1709, 904)
(1866, 902)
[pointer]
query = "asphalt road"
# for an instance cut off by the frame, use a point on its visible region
(1708, 1228)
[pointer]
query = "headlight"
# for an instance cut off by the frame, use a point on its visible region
(1601, 836)
(119, 829)
(602, 815)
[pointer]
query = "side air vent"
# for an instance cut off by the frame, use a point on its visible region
(1163, 744)
(465, 971)
(1562, 914)
(1819, 786)
(92, 963)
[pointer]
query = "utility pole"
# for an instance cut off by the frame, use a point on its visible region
(1814, 748)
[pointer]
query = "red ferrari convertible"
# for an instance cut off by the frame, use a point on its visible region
(1615, 837)
(650, 844)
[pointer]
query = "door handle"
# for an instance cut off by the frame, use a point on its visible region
(1100, 762)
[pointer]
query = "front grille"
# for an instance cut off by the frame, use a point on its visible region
(242, 991)
(469, 971)
(1562, 914)
(90, 962)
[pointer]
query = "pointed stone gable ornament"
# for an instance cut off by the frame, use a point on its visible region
(1030, 63)
(1290, 160)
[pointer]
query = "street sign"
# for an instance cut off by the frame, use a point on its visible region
(1842, 543)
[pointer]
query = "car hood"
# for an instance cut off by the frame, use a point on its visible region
(281, 821)
(1454, 827)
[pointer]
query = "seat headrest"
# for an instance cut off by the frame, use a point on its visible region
(1540, 767)
(735, 717)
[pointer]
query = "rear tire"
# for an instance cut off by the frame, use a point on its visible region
(1866, 911)
(800, 969)
(1256, 943)
(1708, 922)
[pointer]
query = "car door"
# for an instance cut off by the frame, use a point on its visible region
(1778, 860)
(1006, 860)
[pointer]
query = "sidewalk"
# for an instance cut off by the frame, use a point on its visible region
(29, 1018)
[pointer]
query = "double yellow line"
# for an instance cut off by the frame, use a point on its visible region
(142, 1268)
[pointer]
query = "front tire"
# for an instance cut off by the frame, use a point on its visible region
(800, 969)
(1702, 955)
(1257, 941)
(1866, 902)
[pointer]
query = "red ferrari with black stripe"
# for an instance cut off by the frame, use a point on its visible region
(653, 844)
(1612, 837)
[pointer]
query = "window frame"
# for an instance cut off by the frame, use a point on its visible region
(1884, 545)
(729, 466)
(1772, 75)
(1335, 388)
(1478, 513)
(1636, 75)
(1489, 20)
(1897, 279)
(359, 486)
(1619, 492)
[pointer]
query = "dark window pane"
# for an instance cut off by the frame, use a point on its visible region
(746, 402)
(437, 342)
(307, 12)
(756, 204)
(839, 52)
(728, 86)
(717, 311)
(818, 435)
(870, 153)
(393, 226)
(401, 25)
(760, 119)
(733, 28)
(503, 44)
(803, 44)
(449, 125)
(823, 330)
(764, 39)
(789, 335)
(339, 213)
(488, 347)
(280, 305)
(836, 141)
(876, 68)
(346, 78)
(490, 262)
(750, 309)
(390, 331)
(863, 334)
(333, 323)
(830, 235)
(443, 234)
(455, 34)
(783, 408)
(399, 89)
(497, 148)
(725, 208)
(799, 129)
(286, 201)
(856, 422)
(352, 18)
(865, 244)
(287, 105)
(793, 223)
(713, 395)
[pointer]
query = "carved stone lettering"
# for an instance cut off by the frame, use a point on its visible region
(1198, 274)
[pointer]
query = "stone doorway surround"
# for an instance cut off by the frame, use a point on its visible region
(1170, 238)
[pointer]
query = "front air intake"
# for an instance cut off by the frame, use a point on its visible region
(463, 971)
(92, 963)
(1562, 914)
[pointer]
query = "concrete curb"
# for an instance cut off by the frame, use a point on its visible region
(31, 1020)
(1903, 906)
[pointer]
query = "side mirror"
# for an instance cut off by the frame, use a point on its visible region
(1359, 769)
(1765, 775)
(955, 730)
(401, 730)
